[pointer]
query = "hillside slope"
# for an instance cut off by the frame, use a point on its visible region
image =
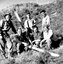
(55, 11)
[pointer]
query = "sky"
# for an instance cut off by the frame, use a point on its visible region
(7, 3)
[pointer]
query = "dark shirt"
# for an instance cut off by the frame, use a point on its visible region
(36, 35)
(8, 25)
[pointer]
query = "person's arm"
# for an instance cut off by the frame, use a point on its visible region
(1, 22)
(43, 23)
(48, 20)
(6, 29)
(25, 25)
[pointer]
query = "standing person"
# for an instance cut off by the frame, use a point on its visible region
(47, 32)
(28, 22)
(5, 25)
(45, 20)
(28, 25)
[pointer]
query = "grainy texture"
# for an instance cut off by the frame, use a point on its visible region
(55, 11)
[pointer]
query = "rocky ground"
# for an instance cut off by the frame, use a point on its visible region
(33, 57)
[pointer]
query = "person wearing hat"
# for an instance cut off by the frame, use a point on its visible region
(5, 25)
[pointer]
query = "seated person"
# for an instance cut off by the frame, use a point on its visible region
(47, 34)
(36, 34)
(18, 39)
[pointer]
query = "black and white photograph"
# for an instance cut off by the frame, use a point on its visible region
(31, 31)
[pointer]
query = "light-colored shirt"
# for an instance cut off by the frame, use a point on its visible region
(28, 22)
(45, 22)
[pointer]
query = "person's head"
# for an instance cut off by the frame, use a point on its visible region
(28, 16)
(7, 16)
(43, 13)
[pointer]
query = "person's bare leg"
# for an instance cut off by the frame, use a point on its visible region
(8, 44)
(48, 43)
(42, 42)
(18, 48)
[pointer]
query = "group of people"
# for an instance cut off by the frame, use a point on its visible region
(28, 35)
